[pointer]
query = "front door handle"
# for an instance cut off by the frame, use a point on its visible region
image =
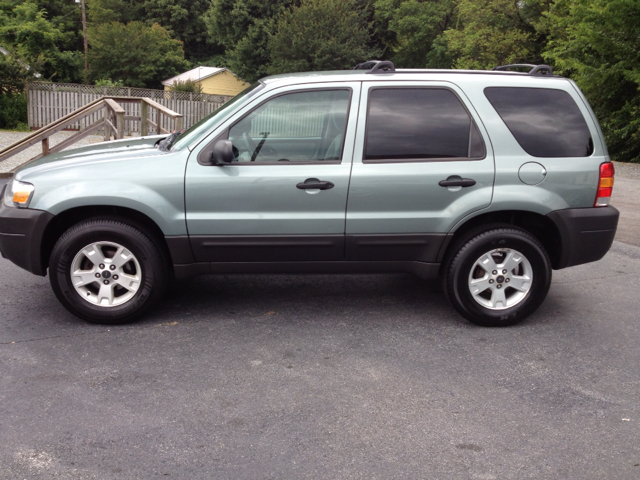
(457, 181)
(314, 183)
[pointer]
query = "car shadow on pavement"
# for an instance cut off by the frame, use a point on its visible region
(305, 297)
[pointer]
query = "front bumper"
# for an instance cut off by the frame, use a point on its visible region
(586, 234)
(21, 233)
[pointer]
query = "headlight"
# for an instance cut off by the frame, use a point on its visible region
(18, 194)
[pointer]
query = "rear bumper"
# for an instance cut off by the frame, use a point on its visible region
(21, 232)
(586, 234)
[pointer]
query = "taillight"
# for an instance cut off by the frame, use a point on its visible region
(605, 185)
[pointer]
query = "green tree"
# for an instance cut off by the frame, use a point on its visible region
(495, 32)
(108, 11)
(25, 28)
(320, 35)
(597, 43)
(139, 55)
(183, 19)
(415, 31)
(242, 29)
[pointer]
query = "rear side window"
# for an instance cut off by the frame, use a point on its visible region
(413, 124)
(544, 121)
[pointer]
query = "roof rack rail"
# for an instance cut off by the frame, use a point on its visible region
(376, 66)
(535, 69)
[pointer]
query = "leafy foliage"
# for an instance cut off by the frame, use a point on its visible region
(36, 39)
(242, 28)
(493, 32)
(142, 42)
(186, 86)
(13, 103)
(107, 82)
(138, 55)
(14, 74)
(320, 35)
(416, 29)
(183, 19)
(597, 42)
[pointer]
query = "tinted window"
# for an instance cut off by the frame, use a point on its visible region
(296, 127)
(419, 123)
(545, 122)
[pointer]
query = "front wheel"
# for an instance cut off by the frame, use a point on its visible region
(497, 277)
(106, 271)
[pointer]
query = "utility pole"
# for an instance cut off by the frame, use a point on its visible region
(84, 33)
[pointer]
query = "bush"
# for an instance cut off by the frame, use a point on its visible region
(14, 74)
(186, 86)
(13, 111)
(107, 82)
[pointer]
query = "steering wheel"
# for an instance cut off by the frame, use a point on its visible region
(248, 143)
(254, 150)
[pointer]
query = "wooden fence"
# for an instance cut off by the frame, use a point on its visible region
(48, 102)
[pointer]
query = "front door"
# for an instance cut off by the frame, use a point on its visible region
(284, 196)
(422, 162)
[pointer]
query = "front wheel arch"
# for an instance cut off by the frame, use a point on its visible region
(65, 220)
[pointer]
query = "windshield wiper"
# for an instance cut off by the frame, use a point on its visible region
(165, 144)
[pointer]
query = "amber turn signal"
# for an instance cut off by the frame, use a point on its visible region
(21, 197)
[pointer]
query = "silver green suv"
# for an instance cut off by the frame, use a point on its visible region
(485, 181)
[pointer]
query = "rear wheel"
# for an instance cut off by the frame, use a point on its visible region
(497, 277)
(107, 271)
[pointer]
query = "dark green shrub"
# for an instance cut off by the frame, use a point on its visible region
(13, 110)
(13, 102)
(186, 86)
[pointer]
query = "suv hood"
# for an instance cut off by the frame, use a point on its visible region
(114, 150)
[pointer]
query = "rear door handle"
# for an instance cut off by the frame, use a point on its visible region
(457, 181)
(314, 183)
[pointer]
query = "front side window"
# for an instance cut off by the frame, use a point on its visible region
(544, 121)
(204, 126)
(306, 126)
(419, 124)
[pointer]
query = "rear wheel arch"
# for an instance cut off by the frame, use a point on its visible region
(65, 220)
(540, 226)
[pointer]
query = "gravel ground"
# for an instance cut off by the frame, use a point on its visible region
(627, 170)
(8, 138)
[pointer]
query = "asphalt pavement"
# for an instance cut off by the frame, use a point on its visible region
(326, 377)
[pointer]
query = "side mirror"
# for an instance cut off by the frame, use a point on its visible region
(222, 153)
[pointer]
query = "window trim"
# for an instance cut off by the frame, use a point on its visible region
(584, 118)
(422, 160)
(225, 134)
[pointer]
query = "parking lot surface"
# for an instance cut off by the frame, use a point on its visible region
(328, 377)
(324, 377)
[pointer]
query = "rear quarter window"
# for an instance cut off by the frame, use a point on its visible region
(545, 122)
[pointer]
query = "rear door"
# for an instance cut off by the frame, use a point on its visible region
(422, 162)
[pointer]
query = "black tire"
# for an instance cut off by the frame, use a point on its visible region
(145, 272)
(467, 263)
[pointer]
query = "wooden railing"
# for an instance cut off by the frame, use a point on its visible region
(48, 102)
(112, 123)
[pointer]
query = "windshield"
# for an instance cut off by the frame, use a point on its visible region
(203, 126)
